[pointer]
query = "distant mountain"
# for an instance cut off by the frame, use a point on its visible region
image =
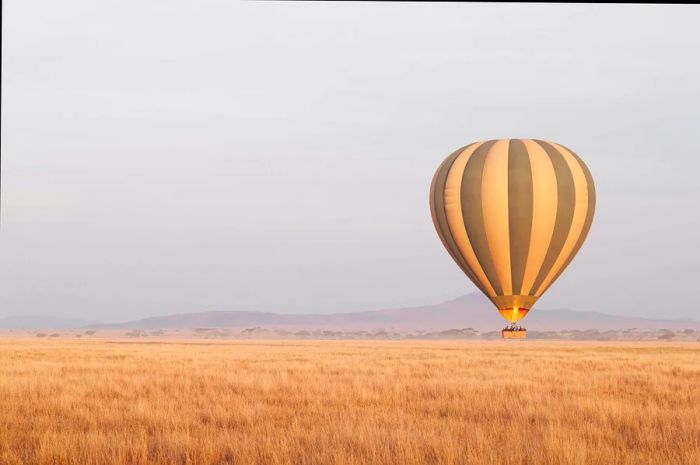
(469, 311)
(42, 322)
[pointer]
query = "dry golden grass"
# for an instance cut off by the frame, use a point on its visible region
(348, 402)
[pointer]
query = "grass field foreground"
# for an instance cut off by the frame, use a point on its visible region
(118, 402)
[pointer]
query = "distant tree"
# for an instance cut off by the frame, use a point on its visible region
(90, 332)
(666, 336)
(40, 334)
(54, 335)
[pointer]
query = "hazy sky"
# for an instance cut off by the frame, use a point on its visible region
(176, 156)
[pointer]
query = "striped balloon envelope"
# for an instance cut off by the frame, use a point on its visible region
(513, 213)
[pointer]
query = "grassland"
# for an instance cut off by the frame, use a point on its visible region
(120, 402)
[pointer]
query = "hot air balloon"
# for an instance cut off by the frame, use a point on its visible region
(513, 213)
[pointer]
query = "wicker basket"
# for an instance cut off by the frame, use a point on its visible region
(514, 334)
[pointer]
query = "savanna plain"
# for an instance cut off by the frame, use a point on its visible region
(119, 402)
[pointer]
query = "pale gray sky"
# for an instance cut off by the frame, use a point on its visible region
(175, 156)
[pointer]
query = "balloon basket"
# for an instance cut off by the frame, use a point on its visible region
(513, 333)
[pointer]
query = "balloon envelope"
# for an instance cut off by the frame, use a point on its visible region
(512, 213)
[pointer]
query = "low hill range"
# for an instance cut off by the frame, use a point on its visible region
(472, 311)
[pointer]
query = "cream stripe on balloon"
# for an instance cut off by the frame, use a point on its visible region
(544, 211)
(579, 218)
(494, 190)
(455, 220)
